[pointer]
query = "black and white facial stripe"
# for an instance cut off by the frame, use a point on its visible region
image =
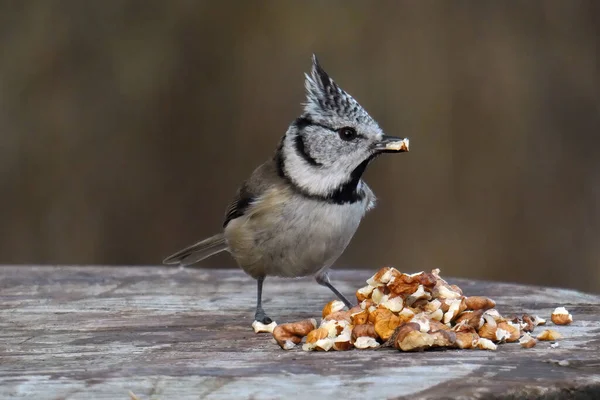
(343, 186)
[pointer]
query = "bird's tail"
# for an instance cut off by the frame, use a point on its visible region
(198, 251)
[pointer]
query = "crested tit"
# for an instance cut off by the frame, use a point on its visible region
(297, 212)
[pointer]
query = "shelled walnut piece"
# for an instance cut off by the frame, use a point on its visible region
(413, 312)
(560, 316)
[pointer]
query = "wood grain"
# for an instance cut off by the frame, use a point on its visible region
(95, 332)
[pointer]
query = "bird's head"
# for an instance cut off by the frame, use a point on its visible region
(328, 147)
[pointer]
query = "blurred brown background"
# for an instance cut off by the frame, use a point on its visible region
(126, 127)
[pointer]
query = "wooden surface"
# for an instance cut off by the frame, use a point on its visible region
(100, 332)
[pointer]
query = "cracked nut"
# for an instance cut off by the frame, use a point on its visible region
(334, 327)
(479, 303)
(360, 318)
(409, 337)
(423, 321)
(488, 331)
(365, 342)
(394, 304)
(406, 315)
(364, 330)
(560, 316)
(438, 326)
(259, 327)
(419, 294)
(290, 334)
(470, 318)
(527, 341)
(332, 307)
(549, 335)
(340, 316)
(403, 285)
(467, 339)
(455, 307)
(513, 330)
(343, 342)
(385, 325)
(486, 344)
(537, 321)
(319, 340)
(364, 293)
(380, 312)
(381, 277)
(527, 323)
(443, 338)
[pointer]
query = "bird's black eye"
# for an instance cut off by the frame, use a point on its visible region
(347, 133)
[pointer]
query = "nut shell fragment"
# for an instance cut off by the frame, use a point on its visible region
(316, 335)
(364, 330)
(486, 344)
(419, 294)
(466, 339)
(360, 317)
(340, 316)
(378, 313)
(560, 316)
(443, 338)
(259, 327)
(479, 303)
(527, 323)
(332, 307)
(365, 342)
(406, 315)
(395, 304)
(488, 331)
(408, 337)
(364, 293)
(514, 331)
(381, 277)
(455, 307)
(318, 339)
(290, 334)
(527, 341)
(343, 342)
(549, 335)
(386, 325)
(471, 318)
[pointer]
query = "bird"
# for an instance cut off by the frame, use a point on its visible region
(297, 212)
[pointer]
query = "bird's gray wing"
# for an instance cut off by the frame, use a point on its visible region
(263, 178)
(240, 204)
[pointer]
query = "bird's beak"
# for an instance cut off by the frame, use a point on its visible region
(391, 144)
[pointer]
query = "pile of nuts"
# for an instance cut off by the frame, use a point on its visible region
(410, 313)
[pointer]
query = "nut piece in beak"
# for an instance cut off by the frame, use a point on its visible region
(391, 144)
(397, 145)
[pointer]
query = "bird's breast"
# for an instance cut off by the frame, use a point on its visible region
(285, 234)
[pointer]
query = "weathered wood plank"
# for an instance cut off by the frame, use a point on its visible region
(99, 332)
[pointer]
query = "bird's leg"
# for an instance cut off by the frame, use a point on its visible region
(323, 280)
(260, 313)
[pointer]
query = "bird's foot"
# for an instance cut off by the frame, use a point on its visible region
(261, 317)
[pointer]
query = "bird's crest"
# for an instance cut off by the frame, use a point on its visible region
(325, 99)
